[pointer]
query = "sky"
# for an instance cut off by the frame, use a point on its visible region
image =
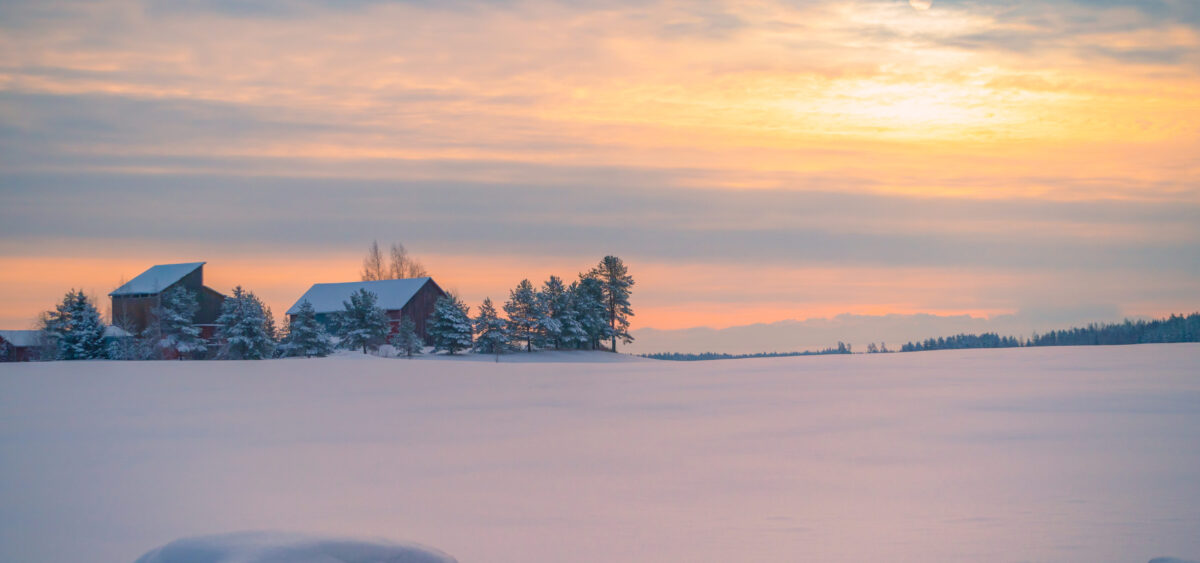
(752, 162)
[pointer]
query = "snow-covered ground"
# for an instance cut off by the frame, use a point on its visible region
(276, 547)
(1047, 454)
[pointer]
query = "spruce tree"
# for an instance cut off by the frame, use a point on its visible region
(406, 340)
(573, 334)
(363, 324)
(243, 326)
(616, 283)
(521, 309)
(450, 326)
(74, 328)
(549, 310)
(305, 336)
(590, 311)
(269, 323)
(174, 321)
(491, 330)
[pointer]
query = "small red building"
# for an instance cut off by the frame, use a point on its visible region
(407, 298)
(20, 345)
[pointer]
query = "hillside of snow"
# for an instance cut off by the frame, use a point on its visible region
(1039, 454)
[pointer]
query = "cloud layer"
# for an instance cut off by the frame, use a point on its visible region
(752, 160)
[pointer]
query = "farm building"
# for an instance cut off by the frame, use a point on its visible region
(20, 345)
(412, 298)
(134, 302)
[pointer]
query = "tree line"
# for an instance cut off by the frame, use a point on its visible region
(593, 309)
(841, 348)
(580, 316)
(1175, 328)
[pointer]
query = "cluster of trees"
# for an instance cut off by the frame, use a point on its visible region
(73, 330)
(963, 341)
(841, 348)
(245, 330)
(580, 316)
(400, 265)
(1176, 328)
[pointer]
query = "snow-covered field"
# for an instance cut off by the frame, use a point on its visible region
(1049, 454)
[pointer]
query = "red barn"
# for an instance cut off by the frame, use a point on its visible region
(20, 345)
(133, 303)
(408, 298)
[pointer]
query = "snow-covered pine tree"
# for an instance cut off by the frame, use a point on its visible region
(550, 304)
(450, 326)
(243, 326)
(74, 328)
(362, 324)
(305, 336)
(521, 309)
(590, 310)
(174, 320)
(269, 323)
(616, 282)
(491, 330)
(573, 333)
(406, 340)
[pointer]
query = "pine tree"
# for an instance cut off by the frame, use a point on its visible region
(616, 281)
(591, 312)
(305, 336)
(550, 304)
(573, 334)
(406, 340)
(74, 328)
(269, 323)
(362, 324)
(521, 309)
(174, 322)
(491, 330)
(450, 326)
(243, 326)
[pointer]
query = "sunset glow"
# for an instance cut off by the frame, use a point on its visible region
(751, 161)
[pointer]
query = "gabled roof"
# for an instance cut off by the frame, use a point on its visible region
(392, 294)
(22, 338)
(156, 279)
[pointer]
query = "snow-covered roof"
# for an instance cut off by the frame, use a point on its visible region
(156, 279)
(328, 297)
(22, 338)
(114, 331)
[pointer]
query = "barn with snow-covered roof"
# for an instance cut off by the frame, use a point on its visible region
(133, 302)
(20, 345)
(407, 298)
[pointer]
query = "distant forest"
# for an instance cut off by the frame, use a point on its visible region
(841, 348)
(1176, 328)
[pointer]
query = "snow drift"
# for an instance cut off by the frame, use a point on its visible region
(275, 547)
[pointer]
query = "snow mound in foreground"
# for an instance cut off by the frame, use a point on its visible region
(1170, 560)
(273, 547)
